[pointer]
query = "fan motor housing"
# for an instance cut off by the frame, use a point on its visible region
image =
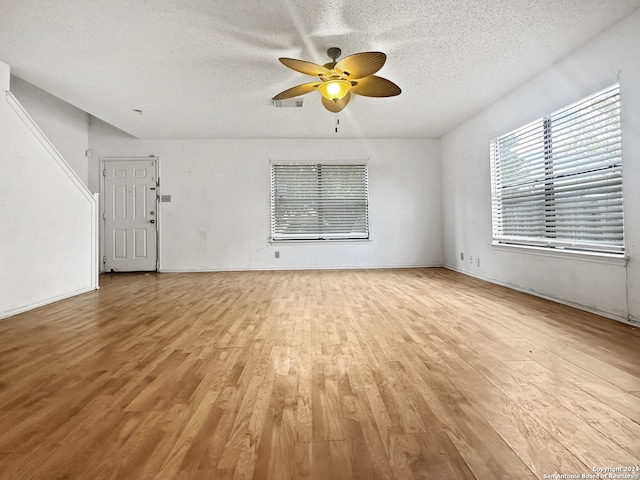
(334, 52)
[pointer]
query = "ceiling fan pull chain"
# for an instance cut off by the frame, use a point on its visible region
(337, 122)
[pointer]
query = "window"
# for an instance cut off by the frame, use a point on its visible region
(319, 201)
(557, 182)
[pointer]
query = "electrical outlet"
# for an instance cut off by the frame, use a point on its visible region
(477, 262)
(470, 258)
(277, 253)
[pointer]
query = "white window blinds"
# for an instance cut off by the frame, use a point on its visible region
(319, 201)
(557, 182)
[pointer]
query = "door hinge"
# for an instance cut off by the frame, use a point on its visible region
(104, 259)
(104, 172)
(104, 215)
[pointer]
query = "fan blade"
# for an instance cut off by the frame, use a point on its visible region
(307, 68)
(360, 65)
(297, 90)
(373, 86)
(336, 106)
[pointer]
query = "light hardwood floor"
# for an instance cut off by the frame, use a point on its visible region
(416, 373)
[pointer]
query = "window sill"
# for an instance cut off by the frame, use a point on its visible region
(338, 241)
(561, 253)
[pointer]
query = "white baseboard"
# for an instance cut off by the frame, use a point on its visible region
(305, 267)
(612, 316)
(26, 308)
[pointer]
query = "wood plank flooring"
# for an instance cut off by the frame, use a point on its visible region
(370, 374)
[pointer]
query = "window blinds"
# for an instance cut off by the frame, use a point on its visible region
(557, 182)
(319, 201)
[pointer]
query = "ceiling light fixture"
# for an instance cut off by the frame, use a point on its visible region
(334, 89)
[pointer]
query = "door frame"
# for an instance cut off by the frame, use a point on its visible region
(103, 162)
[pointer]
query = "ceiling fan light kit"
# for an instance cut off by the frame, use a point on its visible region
(334, 89)
(338, 80)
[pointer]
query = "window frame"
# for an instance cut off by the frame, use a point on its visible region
(322, 234)
(537, 138)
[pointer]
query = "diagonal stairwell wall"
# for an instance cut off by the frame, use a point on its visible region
(48, 217)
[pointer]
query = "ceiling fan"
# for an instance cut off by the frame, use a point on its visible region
(336, 81)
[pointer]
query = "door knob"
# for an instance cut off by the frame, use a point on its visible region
(152, 221)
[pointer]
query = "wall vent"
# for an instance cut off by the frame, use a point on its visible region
(289, 102)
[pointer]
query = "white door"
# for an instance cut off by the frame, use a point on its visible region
(130, 212)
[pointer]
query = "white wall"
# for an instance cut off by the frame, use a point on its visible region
(589, 283)
(47, 217)
(218, 218)
(64, 125)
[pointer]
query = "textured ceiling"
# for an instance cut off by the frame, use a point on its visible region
(209, 68)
